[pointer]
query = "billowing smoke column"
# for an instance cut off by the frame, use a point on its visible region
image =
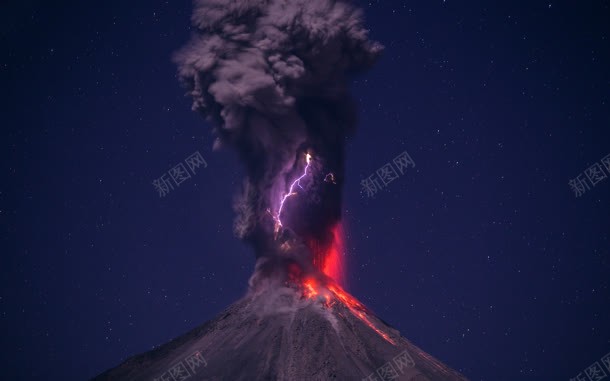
(272, 77)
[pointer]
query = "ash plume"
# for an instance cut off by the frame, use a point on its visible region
(272, 77)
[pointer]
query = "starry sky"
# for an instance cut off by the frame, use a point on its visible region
(483, 254)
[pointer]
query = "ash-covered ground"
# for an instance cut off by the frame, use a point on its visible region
(283, 333)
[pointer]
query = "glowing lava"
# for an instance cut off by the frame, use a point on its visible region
(313, 290)
(358, 309)
(291, 192)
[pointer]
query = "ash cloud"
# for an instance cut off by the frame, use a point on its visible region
(272, 77)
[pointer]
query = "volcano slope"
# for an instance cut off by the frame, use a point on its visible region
(286, 334)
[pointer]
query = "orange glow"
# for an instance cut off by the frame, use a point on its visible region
(334, 260)
(331, 263)
(358, 309)
(330, 260)
(311, 290)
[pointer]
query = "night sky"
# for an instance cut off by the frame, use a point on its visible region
(482, 255)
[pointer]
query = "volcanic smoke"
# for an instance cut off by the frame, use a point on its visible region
(272, 77)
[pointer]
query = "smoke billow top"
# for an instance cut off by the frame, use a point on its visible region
(272, 77)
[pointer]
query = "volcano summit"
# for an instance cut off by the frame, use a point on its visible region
(280, 333)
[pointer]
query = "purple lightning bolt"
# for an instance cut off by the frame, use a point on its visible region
(291, 192)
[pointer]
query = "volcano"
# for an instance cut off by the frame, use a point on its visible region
(292, 333)
(273, 78)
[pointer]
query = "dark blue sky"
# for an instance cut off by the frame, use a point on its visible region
(481, 255)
